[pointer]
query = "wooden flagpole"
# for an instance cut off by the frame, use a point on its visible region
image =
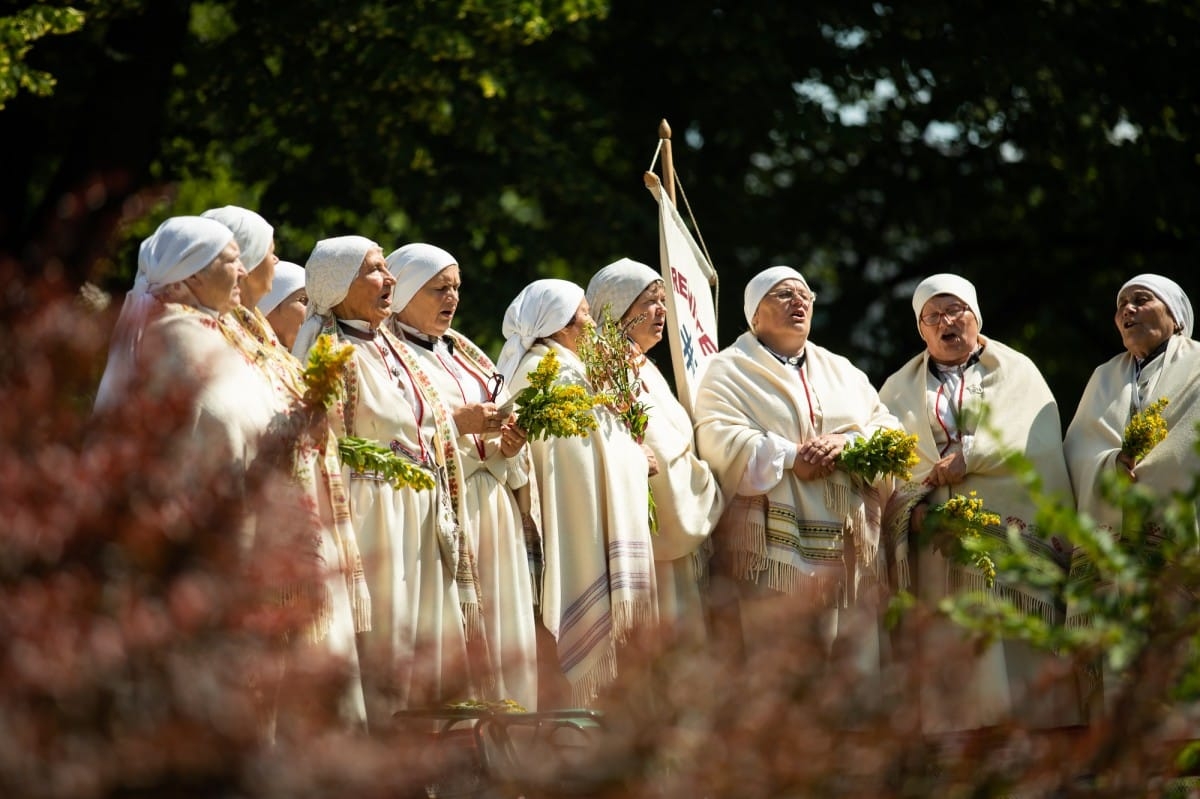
(668, 165)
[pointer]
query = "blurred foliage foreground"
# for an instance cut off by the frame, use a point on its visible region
(139, 651)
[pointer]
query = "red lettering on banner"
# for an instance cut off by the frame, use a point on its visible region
(679, 281)
(707, 345)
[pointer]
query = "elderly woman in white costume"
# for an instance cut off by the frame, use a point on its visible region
(798, 536)
(687, 498)
(286, 304)
(973, 402)
(428, 282)
(169, 334)
(311, 456)
(176, 333)
(598, 591)
(1161, 360)
(414, 655)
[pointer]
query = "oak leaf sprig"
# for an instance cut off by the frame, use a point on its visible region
(364, 457)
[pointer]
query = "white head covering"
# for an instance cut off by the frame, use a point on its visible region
(414, 265)
(253, 233)
(1172, 296)
(289, 277)
(945, 283)
(763, 282)
(178, 249)
(328, 273)
(617, 285)
(542, 308)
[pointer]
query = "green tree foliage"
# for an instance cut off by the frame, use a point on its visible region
(1044, 150)
(18, 33)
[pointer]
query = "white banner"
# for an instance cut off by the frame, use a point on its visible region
(691, 313)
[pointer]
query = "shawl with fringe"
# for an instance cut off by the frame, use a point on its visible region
(793, 538)
(1094, 437)
(315, 465)
(599, 585)
(1009, 409)
(688, 504)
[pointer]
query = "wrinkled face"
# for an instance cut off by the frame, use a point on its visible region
(370, 296)
(257, 282)
(569, 336)
(288, 315)
(784, 316)
(1143, 320)
(651, 305)
(216, 285)
(431, 310)
(949, 329)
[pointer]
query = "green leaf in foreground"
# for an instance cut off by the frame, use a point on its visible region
(365, 456)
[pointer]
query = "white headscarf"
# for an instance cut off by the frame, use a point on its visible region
(763, 282)
(1172, 296)
(414, 265)
(617, 285)
(945, 283)
(178, 249)
(328, 273)
(542, 308)
(253, 233)
(289, 277)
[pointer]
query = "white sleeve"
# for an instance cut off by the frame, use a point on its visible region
(773, 454)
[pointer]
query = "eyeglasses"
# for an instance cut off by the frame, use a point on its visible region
(949, 316)
(788, 296)
(494, 384)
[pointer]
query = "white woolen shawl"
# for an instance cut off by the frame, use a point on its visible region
(252, 233)
(599, 573)
(289, 277)
(686, 493)
(328, 273)
(1006, 391)
(617, 285)
(541, 309)
(1171, 294)
(792, 540)
(688, 505)
(414, 265)
(179, 248)
(1094, 436)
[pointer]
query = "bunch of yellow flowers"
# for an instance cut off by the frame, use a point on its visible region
(545, 410)
(323, 374)
(966, 516)
(1145, 430)
(886, 452)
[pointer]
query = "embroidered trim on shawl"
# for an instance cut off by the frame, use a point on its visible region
(465, 568)
(250, 334)
(769, 545)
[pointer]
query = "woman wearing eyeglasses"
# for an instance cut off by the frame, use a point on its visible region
(495, 463)
(972, 402)
(797, 550)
